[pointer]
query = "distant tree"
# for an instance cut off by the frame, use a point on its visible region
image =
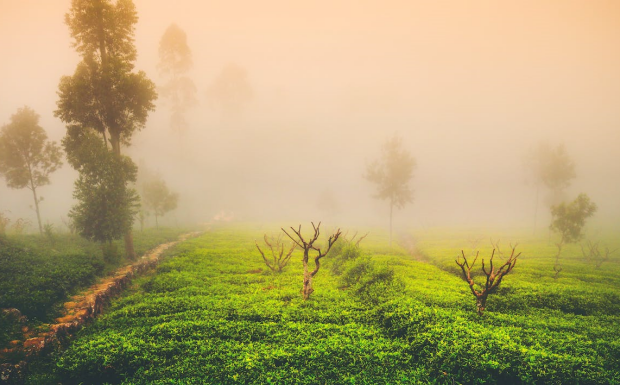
(231, 90)
(553, 169)
(278, 259)
(106, 205)
(104, 93)
(4, 223)
(27, 158)
(493, 276)
(308, 246)
(158, 199)
(568, 220)
(392, 174)
(175, 60)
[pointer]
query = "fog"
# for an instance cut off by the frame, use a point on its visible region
(470, 86)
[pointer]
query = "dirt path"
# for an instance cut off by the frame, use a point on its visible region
(82, 308)
(408, 242)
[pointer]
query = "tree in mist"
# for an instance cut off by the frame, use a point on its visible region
(553, 169)
(175, 60)
(231, 90)
(308, 246)
(568, 220)
(27, 158)
(105, 93)
(157, 198)
(106, 205)
(392, 173)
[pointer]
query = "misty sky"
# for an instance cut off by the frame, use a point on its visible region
(469, 85)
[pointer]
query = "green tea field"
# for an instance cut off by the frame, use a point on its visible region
(213, 313)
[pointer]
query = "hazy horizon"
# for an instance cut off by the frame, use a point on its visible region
(471, 87)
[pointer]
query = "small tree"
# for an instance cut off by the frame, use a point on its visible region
(308, 246)
(553, 169)
(568, 220)
(175, 60)
(494, 276)
(392, 174)
(278, 259)
(157, 198)
(27, 158)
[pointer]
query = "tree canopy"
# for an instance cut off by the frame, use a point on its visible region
(157, 198)
(27, 158)
(175, 60)
(570, 218)
(392, 174)
(106, 204)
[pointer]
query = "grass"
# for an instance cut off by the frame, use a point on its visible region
(208, 315)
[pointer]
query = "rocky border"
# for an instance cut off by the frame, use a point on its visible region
(81, 309)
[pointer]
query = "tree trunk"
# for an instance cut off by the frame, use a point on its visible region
(36, 206)
(307, 288)
(481, 302)
(130, 253)
(391, 211)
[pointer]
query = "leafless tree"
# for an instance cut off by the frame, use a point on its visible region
(494, 277)
(278, 259)
(594, 253)
(307, 246)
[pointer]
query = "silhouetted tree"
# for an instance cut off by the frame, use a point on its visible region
(231, 90)
(27, 158)
(553, 169)
(568, 220)
(278, 259)
(175, 60)
(157, 198)
(392, 174)
(104, 93)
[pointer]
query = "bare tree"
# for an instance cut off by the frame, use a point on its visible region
(307, 246)
(494, 277)
(594, 253)
(278, 260)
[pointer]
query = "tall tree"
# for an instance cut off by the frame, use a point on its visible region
(157, 198)
(553, 169)
(104, 93)
(175, 60)
(106, 204)
(27, 158)
(231, 90)
(392, 173)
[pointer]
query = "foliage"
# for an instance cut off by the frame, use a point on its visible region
(175, 59)
(106, 204)
(4, 223)
(104, 93)
(208, 317)
(35, 278)
(570, 218)
(27, 158)
(157, 198)
(392, 174)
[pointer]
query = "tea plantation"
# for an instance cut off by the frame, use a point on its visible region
(213, 313)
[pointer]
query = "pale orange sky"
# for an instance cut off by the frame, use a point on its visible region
(470, 85)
